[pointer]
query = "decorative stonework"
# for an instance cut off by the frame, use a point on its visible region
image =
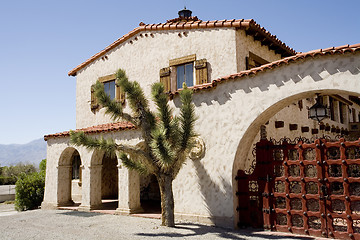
(198, 150)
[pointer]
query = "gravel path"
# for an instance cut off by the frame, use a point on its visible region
(65, 224)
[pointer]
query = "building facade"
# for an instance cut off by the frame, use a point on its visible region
(244, 80)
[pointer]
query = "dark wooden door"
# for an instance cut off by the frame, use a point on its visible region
(304, 188)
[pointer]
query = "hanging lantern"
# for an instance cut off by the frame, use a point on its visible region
(318, 111)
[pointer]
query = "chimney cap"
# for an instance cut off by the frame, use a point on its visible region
(185, 13)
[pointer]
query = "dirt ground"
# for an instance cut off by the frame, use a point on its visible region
(66, 224)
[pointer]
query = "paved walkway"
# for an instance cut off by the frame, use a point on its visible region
(67, 224)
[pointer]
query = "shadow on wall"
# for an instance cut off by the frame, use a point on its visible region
(279, 76)
(216, 196)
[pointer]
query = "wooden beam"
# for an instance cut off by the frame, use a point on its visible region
(342, 99)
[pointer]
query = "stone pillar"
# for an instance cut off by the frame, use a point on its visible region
(64, 186)
(91, 188)
(51, 189)
(129, 191)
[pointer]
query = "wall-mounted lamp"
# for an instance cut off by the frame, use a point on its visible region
(318, 111)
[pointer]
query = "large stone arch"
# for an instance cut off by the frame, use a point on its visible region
(229, 112)
(281, 87)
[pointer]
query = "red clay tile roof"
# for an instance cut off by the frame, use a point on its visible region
(249, 25)
(311, 54)
(109, 127)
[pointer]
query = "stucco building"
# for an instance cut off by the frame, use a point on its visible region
(248, 85)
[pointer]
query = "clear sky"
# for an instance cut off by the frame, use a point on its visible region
(41, 40)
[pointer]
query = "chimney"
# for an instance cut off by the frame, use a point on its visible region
(185, 13)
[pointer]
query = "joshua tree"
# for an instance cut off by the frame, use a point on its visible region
(167, 138)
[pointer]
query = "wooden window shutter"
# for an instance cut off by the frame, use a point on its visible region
(201, 71)
(120, 94)
(165, 78)
(94, 102)
(250, 63)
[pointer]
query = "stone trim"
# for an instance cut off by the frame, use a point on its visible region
(182, 60)
(107, 78)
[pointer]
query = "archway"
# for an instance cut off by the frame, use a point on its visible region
(109, 182)
(247, 141)
(104, 181)
(69, 177)
(150, 198)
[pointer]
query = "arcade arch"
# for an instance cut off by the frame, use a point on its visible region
(69, 177)
(246, 144)
(104, 180)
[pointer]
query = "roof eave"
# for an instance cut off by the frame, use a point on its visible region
(248, 25)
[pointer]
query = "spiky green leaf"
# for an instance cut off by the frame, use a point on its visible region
(133, 165)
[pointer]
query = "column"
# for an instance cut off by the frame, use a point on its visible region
(91, 188)
(64, 186)
(129, 191)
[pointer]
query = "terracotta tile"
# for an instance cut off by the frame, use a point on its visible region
(355, 45)
(202, 25)
(227, 24)
(166, 26)
(96, 129)
(342, 47)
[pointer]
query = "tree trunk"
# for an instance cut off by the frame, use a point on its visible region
(167, 200)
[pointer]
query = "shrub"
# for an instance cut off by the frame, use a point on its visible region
(9, 174)
(7, 180)
(29, 191)
(42, 165)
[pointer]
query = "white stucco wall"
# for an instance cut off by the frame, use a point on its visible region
(143, 58)
(245, 44)
(229, 117)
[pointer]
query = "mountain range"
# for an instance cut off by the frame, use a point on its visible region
(32, 152)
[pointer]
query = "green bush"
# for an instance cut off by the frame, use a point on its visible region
(42, 165)
(7, 180)
(9, 174)
(29, 191)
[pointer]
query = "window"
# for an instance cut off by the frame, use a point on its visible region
(185, 74)
(184, 70)
(76, 162)
(110, 88)
(254, 61)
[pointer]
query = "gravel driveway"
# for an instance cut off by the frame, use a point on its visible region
(65, 224)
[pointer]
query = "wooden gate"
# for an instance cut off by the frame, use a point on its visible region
(310, 188)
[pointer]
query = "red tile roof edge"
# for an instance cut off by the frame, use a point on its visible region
(103, 128)
(248, 24)
(300, 56)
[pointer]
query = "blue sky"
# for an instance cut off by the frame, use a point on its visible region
(41, 40)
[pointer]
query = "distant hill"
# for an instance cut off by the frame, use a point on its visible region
(32, 152)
